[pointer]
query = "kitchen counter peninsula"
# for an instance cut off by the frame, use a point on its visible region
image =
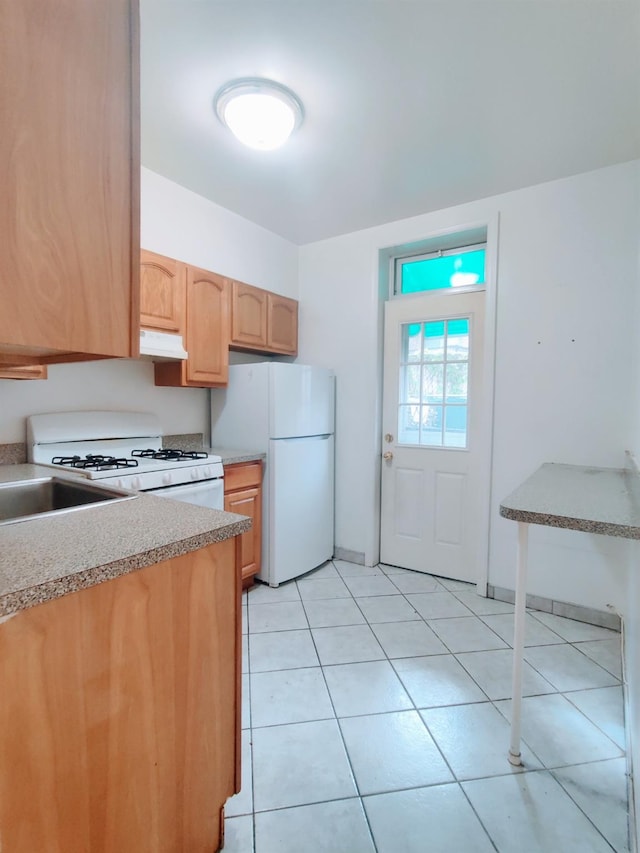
(592, 500)
(120, 649)
(45, 558)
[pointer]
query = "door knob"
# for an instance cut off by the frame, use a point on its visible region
(388, 455)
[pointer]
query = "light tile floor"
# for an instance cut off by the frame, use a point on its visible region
(376, 719)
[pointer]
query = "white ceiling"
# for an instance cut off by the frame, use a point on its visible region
(411, 105)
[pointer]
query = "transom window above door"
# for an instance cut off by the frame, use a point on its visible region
(434, 379)
(441, 270)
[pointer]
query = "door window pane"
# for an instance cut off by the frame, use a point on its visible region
(456, 387)
(458, 340)
(409, 425)
(433, 383)
(431, 427)
(434, 380)
(455, 426)
(412, 342)
(434, 341)
(410, 383)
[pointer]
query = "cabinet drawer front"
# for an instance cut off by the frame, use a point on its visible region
(242, 475)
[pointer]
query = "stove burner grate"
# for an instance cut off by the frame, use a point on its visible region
(94, 462)
(169, 454)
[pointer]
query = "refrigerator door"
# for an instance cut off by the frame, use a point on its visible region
(301, 506)
(301, 400)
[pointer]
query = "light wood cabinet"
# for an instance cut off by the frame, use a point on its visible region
(282, 327)
(262, 321)
(206, 335)
(69, 180)
(32, 371)
(248, 315)
(120, 717)
(162, 293)
(243, 494)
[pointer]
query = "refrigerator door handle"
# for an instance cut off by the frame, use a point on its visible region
(324, 437)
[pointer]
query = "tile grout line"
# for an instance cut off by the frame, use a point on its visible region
(424, 620)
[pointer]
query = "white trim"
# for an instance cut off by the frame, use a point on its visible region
(382, 294)
(486, 434)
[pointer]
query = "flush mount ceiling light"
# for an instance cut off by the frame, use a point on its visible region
(260, 113)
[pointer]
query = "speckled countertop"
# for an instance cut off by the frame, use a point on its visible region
(233, 457)
(49, 557)
(594, 500)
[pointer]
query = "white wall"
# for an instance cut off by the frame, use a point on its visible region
(181, 224)
(567, 272)
(186, 226)
(632, 621)
(114, 384)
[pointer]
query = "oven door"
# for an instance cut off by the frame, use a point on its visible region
(208, 493)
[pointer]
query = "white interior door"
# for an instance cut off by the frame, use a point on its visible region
(432, 496)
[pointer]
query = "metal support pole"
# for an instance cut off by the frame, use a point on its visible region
(518, 643)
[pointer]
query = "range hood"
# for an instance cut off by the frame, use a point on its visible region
(161, 346)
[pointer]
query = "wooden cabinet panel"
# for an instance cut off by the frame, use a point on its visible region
(242, 475)
(207, 327)
(207, 334)
(119, 724)
(162, 293)
(32, 371)
(69, 179)
(262, 321)
(283, 324)
(243, 494)
(248, 315)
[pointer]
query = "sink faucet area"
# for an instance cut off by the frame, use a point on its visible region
(24, 500)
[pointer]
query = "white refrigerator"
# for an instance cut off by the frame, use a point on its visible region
(288, 412)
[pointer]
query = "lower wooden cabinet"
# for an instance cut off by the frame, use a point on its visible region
(206, 337)
(243, 494)
(120, 713)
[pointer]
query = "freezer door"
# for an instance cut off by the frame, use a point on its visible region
(301, 506)
(301, 400)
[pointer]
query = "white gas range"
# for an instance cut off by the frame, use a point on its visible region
(124, 449)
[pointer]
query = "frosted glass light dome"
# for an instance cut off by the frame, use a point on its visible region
(260, 113)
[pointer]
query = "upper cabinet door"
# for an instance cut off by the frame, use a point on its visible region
(69, 179)
(162, 293)
(207, 328)
(283, 324)
(248, 315)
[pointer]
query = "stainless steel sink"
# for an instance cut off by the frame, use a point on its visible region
(24, 500)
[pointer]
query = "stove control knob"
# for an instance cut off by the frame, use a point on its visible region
(135, 482)
(118, 484)
(166, 479)
(207, 472)
(195, 474)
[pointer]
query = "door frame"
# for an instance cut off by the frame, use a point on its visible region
(384, 267)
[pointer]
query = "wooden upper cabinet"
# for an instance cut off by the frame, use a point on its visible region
(262, 321)
(162, 293)
(283, 324)
(69, 180)
(31, 371)
(248, 315)
(206, 334)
